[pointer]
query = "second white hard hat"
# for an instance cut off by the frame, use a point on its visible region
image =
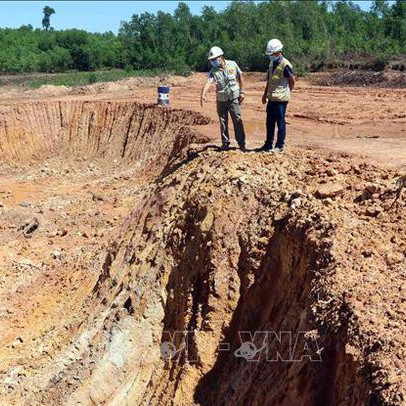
(215, 52)
(274, 45)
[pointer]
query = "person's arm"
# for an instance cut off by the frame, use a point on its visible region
(266, 89)
(240, 83)
(288, 73)
(292, 82)
(204, 91)
(242, 92)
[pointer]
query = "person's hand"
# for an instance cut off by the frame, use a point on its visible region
(264, 99)
(202, 100)
(241, 98)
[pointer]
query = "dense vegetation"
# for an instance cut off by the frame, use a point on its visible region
(315, 33)
(81, 78)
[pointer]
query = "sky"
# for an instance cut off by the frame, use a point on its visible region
(95, 16)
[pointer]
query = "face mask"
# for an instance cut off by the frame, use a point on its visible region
(273, 58)
(215, 63)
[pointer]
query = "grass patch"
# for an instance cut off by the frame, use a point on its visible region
(85, 78)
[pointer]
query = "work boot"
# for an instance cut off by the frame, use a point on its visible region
(225, 147)
(277, 150)
(265, 148)
(242, 148)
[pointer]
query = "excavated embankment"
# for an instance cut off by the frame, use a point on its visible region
(146, 135)
(241, 279)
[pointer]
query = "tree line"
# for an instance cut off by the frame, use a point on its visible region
(315, 34)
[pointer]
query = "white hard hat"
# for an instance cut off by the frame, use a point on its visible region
(274, 45)
(215, 52)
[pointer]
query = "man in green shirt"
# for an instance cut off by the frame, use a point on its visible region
(229, 85)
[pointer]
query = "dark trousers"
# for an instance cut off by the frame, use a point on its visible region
(275, 114)
(233, 107)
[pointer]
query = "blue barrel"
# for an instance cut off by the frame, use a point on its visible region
(163, 95)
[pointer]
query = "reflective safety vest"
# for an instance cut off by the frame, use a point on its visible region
(226, 81)
(278, 85)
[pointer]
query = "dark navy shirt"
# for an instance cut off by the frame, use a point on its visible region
(287, 72)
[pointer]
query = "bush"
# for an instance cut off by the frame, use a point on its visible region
(92, 78)
(379, 64)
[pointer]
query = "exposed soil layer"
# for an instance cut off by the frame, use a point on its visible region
(123, 235)
(70, 173)
(145, 135)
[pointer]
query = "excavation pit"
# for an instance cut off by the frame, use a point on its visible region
(145, 135)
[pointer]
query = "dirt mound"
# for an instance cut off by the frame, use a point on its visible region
(49, 90)
(363, 78)
(129, 84)
(231, 246)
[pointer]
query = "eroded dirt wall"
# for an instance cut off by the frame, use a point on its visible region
(143, 134)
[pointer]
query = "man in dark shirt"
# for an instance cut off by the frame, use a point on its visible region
(280, 82)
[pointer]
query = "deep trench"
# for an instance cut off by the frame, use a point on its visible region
(274, 301)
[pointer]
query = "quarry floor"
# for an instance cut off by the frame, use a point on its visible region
(82, 204)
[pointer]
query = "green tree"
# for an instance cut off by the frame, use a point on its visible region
(380, 8)
(398, 25)
(46, 21)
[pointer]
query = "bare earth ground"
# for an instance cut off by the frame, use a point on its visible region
(367, 122)
(116, 226)
(341, 119)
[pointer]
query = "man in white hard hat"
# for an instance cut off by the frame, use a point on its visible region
(229, 84)
(280, 82)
